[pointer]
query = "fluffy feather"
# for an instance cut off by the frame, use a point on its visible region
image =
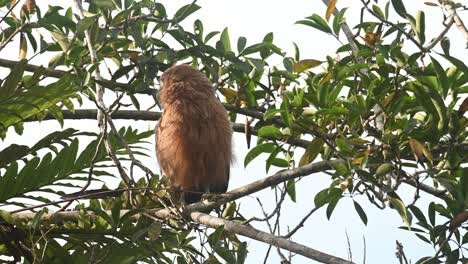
(193, 137)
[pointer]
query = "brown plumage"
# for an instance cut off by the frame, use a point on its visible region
(193, 137)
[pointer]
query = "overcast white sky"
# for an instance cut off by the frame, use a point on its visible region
(253, 19)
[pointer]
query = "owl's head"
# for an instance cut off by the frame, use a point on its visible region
(184, 81)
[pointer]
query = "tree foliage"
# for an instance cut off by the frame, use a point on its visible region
(386, 110)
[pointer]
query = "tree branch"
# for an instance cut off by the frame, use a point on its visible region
(116, 86)
(79, 114)
(346, 30)
(448, 5)
(389, 23)
(193, 212)
(258, 235)
(213, 222)
(448, 25)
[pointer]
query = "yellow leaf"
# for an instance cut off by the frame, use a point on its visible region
(358, 161)
(312, 151)
(62, 40)
(344, 184)
(330, 8)
(416, 148)
(23, 47)
(303, 65)
(229, 94)
(430, 4)
(327, 77)
(419, 150)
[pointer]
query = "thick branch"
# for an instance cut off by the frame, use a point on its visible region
(59, 74)
(213, 222)
(448, 5)
(426, 188)
(192, 211)
(235, 194)
(258, 235)
(80, 114)
(448, 25)
(240, 128)
(346, 30)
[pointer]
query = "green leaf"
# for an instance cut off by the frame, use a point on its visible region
(303, 65)
(28, 103)
(445, 45)
(288, 64)
(423, 238)
(327, 195)
(225, 40)
(85, 23)
(291, 189)
(360, 212)
(333, 111)
(399, 8)
(441, 76)
(297, 53)
(431, 213)
(242, 253)
(38, 173)
(37, 218)
(185, 11)
(401, 209)
(257, 150)
(285, 114)
(383, 169)
(419, 215)
(241, 43)
(458, 63)
(226, 254)
(12, 80)
(331, 207)
(317, 22)
(61, 39)
(378, 11)
(420, 27)
(338, 21)
(6, 216)
(269, 132)
(271, 112)
(210, 36)
(344, 145)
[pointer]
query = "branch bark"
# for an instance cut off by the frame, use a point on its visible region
(116, 86)
(81, 114)
(213, 222)
(448, 5)
(258, 235)
(194, 212)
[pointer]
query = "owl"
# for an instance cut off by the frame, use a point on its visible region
(193, 136)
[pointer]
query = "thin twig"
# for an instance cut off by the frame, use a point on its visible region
(301, 223)
(448, 25)
(408, 35)
(18, 30)
(350, 252)
(9, 11)
(400, 254)
(90, 173)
